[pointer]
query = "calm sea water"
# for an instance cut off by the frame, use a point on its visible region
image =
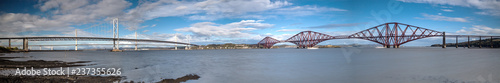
(328, 65)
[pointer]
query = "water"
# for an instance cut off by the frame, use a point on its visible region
(331, 65)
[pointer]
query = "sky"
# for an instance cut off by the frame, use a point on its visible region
(243, 21)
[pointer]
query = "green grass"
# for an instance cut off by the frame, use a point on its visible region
(7, 49)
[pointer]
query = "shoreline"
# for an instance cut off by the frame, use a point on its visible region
(7, 64)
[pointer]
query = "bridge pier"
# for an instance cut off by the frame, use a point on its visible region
(491, 41)
(395, 46)
(468, 41)
(135, 41)
(444, 39)
(456, 42)
(76, 44)
(9, 44)
(76, 40)
(389, 46)
(480, 42)
(25, 44)
(116, 47)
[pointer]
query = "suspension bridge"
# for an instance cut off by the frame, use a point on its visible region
(388, 34)
(96, 30)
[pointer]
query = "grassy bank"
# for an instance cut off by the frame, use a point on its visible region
(474, 43)
(7, 49)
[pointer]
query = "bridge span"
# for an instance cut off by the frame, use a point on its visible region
(388, 34)
(26, 39)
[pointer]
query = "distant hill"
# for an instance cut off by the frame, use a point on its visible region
(475, 43)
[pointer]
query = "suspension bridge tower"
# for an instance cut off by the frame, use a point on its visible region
(116, 36)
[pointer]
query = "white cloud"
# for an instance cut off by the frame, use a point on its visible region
(481, 4)
(204, 10)
(217, 9)
(63, 14)
(80, 33)
(250, 23)
(340, 33)
(305, 10)
(489, 7)
(312, 8)
(336, 25)
(278, 37)
(442, 18)
(231, 30)
(243, 6)
(478, 30)
(447, 10)
(281, 37)
(290, 30)
(64, 5)
(84, 12)
(12, 23)
(196, 10)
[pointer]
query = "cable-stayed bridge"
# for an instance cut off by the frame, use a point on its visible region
(97, 32)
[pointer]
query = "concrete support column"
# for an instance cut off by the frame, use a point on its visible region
(9, 44)
(135, 41)
(480, 43)
(25, 44)
(114, 44)
(76, 44)
(491, 41)
(468, 41)
(444, 39)
(76, 40)
(456, 42)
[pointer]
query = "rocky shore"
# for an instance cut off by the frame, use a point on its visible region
(6, 64)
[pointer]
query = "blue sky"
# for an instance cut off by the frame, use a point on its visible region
(243, 21)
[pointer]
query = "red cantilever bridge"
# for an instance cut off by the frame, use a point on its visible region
(388, 34)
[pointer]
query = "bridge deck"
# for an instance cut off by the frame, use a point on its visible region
(93, 39)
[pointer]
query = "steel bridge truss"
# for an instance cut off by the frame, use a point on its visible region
(395, 34)
(388, 34)
(268, 42)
